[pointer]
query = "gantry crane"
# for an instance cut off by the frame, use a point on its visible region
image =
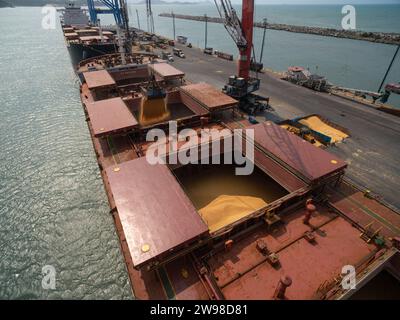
(119, 9)
(242, 85)
(114, 7)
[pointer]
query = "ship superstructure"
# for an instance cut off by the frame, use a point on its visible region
(73, 15)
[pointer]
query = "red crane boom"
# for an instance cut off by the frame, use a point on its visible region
(242, 85)
(247, 27)
(240, 31)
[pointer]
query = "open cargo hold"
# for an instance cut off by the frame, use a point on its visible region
(179, 106)
(222, 197)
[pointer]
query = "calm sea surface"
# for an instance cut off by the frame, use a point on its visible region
(53, 209)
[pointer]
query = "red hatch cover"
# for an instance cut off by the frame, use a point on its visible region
(110, 116)
(208, 96)
(308, 160)
(166, 71)
(155, 213)
(97, 79)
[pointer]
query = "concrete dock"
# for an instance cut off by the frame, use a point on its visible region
(372, 151)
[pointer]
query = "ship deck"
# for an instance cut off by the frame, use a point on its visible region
(213, 270)
(244, 273)
(337, 243)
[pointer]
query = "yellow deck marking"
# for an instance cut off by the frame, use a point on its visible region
(145, 248)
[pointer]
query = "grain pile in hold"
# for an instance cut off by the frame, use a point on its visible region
(153, 110)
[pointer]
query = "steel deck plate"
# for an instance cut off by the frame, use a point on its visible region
(166, 71)
(155, 213)
(210, 97)
(97, 79)
(110, 116)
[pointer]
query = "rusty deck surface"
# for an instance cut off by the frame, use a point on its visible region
(110, 116)
(153, 209)
(166, 71)
(244, 273)
(97, 79)
(365, 211)
(311, 162)
(209, 96)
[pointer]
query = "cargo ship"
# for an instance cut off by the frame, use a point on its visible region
(295, 228)
(84, 39)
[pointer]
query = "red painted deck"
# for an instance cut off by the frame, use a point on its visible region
(363, 210)
(309, 265)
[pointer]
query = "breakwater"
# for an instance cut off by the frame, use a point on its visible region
(378, 37)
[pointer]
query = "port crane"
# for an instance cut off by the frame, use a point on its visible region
(117, 8)
(242, 85)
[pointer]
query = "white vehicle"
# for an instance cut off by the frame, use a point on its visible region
(179, 53)
(167, 56)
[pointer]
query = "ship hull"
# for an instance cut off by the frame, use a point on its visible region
(79, 52)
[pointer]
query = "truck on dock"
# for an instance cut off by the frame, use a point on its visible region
(178, 52)
(167, 56)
